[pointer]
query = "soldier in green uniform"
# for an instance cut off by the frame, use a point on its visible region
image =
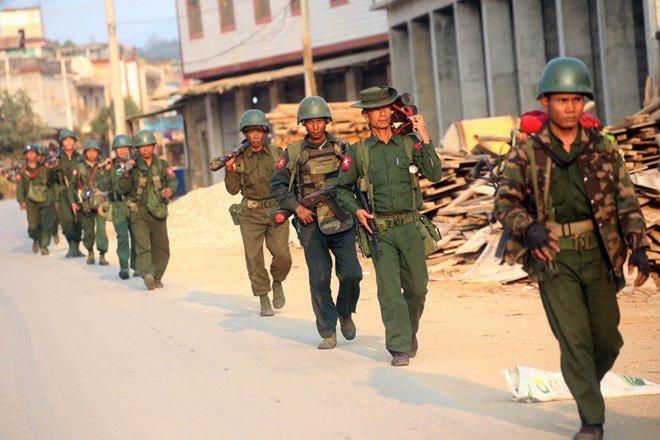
(387, 165)
(67, 161)
(150, 183)
(50, 162)
(85, 198)
(304, 168)
(250, 173)
(114, 170)
(566, 197)
(34, 195)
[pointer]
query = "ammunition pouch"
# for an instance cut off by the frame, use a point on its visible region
(363, 242)
(156, 205)
(235, 213)
(430, 234)
(38, 193)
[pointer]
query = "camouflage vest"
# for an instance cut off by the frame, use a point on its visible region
(598, 166)
(152, 186)
(314, 169)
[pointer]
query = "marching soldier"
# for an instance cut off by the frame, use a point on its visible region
(250, 173)
(566, 197)
(149, 183)
(114, 170)
(34, 195)
(67, 160)
(50, 161)
(387, 165)
(304, 168)
(85, 199)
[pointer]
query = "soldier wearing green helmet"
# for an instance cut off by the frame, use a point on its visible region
(566, 191)
(305, 167)
(149, 182)
(121, 220)
(86, 198)
(66, 161)
(34, 196)
(249, 174)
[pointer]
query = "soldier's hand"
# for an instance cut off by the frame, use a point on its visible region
(541, 241)
(230, 164)
(23, 206)
(166, 193)
(639, 260)
(419, 125)
(128, 166)
(362, 216)
(74, 208)
(305, 215)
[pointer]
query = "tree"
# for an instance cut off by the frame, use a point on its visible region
(105, 121)
(19, 125)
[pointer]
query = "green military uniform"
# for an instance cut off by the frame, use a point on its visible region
(251, 178)
(402, 265)
(32, 188)
(148, 209)
(84, 190)
(119, 214)
(305, 168)
(585, 196)
(71, 224)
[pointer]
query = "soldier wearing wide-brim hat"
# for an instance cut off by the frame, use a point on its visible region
(570, 205)
(249, 173)
(306, 167)
(385, 166)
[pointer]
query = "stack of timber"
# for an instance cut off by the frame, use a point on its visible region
(347, 123)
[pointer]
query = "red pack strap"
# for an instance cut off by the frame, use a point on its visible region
(91, 179)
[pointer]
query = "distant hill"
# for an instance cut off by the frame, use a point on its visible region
(160, 49)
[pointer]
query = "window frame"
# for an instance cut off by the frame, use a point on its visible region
(227, 27)
(191, 35)
(262, 20)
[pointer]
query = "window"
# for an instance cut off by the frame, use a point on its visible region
(295, 7)
(194, 14)
(334, 3)
(227, 20)
(261, 11)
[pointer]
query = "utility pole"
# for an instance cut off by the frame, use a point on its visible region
(67, 100)
(7, 72)
(310, 81)
(115, 74)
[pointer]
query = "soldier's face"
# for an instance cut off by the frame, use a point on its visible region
(564, 109)
(315, 127)
(122, 152)
(146, 151)
(255, 137)
(31, 156)
(92, 155)
(68, 144)
(379, 118)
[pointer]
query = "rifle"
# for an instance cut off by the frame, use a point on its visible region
(323, 196)
(52, 159)
(220, 161)
(371, 236)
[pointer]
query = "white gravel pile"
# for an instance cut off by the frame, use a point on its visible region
(201, 219)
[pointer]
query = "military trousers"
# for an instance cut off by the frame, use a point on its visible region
(56, 213)
(125, 236)
(40, 221)
(94, 231)
(582, 309)
(402, 281)
(71, 224)
(317, 247)
(152, 243)
(256, 229)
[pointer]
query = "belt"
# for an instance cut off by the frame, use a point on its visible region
(384, 221)
(258, 204)
(575, 236)
(116, 197)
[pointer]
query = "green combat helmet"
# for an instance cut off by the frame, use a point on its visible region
(565, 75)
(144, 137)
(42, 150)
(121, 140)
(313, 107)
(31, 147)
(253, 118)
(65, 133)
(92, 144)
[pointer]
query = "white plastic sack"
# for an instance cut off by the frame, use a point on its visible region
(531, 385)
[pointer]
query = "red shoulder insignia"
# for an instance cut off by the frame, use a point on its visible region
(531, 122)
(75, 172)
(346, 162)
(18, 178)
(281, 163)
(169, 171)
(418, 146)
(588, 121)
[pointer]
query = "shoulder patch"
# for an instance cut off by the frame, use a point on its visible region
(169, 171)
(418, 146)
(346, 162)
(19, 177)
(75, 172)
(281, 163)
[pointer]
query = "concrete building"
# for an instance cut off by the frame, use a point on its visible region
(477, 58)
(248, 54)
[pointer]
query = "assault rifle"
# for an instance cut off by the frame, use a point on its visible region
(53, 159)
(371, 236)
(10, 172)
(221, 161)
(323, 196)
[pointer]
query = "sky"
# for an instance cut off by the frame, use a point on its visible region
(83, 21)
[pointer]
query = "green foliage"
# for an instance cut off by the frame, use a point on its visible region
(19, 125)
(105, 121)
(160, 49)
